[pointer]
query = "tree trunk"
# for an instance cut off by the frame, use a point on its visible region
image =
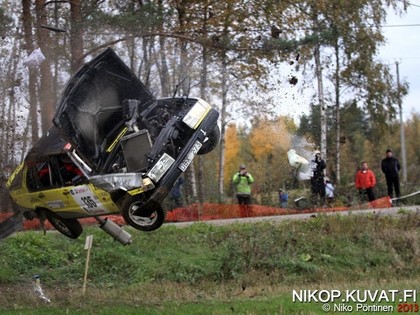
(164, 71)
(145, 64)
(47, 95)
(7, 119)
(323, 127)
(223, 128)
(76, 35)
(203, 86)
(337, 115)
(29, 47)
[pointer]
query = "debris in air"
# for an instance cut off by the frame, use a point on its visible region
(293, 80)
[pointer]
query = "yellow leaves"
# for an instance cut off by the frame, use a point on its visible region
(263, 150)
(268, 137)
(232, 147)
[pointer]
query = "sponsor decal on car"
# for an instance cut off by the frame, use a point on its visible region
(55, 204)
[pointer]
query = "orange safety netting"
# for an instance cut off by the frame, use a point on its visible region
(212, 211)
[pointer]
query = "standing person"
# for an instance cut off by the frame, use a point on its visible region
(317, 180)
(242, 181)
(329, 191)
(175, 194)
(283, 198)
(365, 182)
(390, 167)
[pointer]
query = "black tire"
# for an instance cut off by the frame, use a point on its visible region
(68, 227)
(152, 219)
(211, 143)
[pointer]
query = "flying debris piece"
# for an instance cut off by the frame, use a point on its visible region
(34, 59)
(293, 80)
(302, 165)
(54, 29)
(275, 31)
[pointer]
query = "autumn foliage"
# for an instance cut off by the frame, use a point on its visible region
(263, 149)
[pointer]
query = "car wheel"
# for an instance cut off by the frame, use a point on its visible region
(150, 221)
(211, 143)
(68, 227)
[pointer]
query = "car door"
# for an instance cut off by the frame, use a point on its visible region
(47, 189)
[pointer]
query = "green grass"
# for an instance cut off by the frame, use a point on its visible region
(206, 269)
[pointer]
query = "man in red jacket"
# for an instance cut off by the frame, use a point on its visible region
(365, 182)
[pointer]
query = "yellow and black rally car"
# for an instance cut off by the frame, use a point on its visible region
(113, 148)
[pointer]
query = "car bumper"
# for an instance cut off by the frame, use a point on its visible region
(166, 183)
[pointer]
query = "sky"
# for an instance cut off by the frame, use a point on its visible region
(403, 46)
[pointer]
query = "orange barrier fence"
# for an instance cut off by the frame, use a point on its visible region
(212, 211)
(36, 225)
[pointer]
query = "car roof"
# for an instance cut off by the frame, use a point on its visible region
(50, 143)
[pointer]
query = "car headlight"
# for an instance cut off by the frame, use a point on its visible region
(161, 167)
(196, 114)
(116, 181)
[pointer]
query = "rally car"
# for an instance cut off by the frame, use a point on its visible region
(113, 149)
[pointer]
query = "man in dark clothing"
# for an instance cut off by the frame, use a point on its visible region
(390, 167)
(317, 180)
(175, 194)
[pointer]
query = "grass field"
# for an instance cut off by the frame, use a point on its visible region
(206, 269)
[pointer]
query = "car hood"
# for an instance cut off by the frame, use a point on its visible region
(89, 114)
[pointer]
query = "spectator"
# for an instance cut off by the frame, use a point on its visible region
(365, 182)
(390, 167)
(329, 192)
(317, 180)
(175, 194)
(283, 198)
(242, 181)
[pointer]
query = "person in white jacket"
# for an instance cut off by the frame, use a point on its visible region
(329, 192)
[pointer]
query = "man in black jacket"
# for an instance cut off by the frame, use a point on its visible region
(317, 180)
(391, 167)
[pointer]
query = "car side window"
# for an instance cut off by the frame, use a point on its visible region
(69, 172)
(40, 176)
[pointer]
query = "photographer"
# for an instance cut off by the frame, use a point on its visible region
(242, 181)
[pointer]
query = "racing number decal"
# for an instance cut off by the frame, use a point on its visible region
(90, 204)
(87, 200)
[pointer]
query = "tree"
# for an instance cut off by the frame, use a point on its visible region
(343, 26)
(47, 94)
(222, 49)
(76, 35)
(29, 47)
(269, 141)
